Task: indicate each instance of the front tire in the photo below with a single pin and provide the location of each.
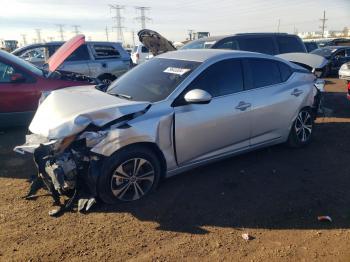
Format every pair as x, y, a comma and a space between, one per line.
302, 129
129, 175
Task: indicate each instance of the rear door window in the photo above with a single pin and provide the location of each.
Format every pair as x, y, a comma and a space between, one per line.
80, 54
289, 44
105, 52
222, 78
285, 71
263, 45
264, 72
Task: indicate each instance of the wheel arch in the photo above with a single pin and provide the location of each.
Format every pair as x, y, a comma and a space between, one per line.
153, 147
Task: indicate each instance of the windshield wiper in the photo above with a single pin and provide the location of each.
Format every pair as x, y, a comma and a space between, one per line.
123, 96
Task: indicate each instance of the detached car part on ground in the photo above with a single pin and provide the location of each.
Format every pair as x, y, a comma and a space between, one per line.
175, 112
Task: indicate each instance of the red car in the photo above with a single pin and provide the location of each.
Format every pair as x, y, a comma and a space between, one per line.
21, 83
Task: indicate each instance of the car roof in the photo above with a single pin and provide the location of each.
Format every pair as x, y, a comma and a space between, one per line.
219, 37
201, 55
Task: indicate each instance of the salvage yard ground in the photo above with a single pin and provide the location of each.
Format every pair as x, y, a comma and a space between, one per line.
274, 194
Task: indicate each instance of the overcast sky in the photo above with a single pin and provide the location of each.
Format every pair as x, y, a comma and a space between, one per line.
170, 18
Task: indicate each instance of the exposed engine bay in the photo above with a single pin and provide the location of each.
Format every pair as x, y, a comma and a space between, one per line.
71, 76
65, 169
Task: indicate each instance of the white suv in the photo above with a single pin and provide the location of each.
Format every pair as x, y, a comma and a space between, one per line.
140, 54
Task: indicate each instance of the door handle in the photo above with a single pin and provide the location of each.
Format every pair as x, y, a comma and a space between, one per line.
297, 92
243, 106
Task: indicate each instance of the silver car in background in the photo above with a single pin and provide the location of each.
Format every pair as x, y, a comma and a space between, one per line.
175, 112
103, 60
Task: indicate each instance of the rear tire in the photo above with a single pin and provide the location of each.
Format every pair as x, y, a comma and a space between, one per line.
129, 175
302, 129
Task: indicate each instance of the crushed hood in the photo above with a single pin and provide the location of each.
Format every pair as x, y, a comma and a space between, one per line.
69, 111
310, 60
154, 42
64, 52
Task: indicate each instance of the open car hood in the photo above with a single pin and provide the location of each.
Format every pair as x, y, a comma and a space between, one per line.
68, 111
64, 52
310, 60
155, 43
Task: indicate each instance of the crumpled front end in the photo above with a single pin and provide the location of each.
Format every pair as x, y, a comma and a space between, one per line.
66, 168
67, 125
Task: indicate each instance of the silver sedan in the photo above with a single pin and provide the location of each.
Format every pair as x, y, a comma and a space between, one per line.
175, 112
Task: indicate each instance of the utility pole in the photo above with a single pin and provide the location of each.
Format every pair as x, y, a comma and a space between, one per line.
143, 18
107, 36
38, 34
118, 19
133, 37
190, 33
323, 26
76, 29
24, 39
61, 31
278, 25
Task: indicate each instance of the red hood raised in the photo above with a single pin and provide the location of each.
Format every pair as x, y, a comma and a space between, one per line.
65, 51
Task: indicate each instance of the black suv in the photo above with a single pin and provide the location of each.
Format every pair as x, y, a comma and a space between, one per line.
266, 43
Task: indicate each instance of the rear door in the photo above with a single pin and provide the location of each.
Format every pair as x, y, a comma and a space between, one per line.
17, 96
206, 130
78, 61
107, 59
275, 99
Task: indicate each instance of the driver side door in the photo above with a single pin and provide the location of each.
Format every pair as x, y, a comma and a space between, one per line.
203, 131
17, 96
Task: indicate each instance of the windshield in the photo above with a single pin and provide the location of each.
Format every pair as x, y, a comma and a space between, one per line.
199, 44
325, 52
152, 81
26, 65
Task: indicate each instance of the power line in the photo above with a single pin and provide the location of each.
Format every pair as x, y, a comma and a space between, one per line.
118, 20
61, 31
76, 29
38, 34
143, 18
323, 26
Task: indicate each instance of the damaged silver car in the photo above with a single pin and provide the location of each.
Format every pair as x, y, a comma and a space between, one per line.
175, 112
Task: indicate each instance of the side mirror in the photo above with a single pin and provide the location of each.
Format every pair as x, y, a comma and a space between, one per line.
17, 78
198, 96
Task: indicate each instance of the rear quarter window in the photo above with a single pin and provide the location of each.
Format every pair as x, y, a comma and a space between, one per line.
105, 52
289, 44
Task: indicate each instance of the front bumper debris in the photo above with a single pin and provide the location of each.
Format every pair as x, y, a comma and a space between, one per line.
67, 171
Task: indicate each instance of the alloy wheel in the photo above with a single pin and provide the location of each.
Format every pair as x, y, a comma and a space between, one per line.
132, 179
303, 126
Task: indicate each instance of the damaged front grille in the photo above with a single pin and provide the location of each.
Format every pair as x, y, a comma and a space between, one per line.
67, 175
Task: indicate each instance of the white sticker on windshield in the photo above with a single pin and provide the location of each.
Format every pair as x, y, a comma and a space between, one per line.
176, 70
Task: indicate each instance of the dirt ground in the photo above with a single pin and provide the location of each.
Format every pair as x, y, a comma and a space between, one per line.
274, 194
